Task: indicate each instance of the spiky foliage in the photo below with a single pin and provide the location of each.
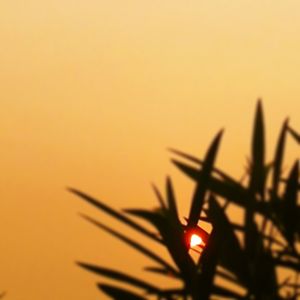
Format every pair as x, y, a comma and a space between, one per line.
249, 255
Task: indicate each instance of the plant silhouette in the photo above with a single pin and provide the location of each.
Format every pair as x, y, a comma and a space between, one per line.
249, 255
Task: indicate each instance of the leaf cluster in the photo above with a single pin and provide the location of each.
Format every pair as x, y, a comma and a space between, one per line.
237, 260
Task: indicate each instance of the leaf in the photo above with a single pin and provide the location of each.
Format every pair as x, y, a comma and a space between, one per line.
174, 240
287, 264
159, 196
232, 256
265, 286
224, 292
202, 182
208, 265
235, 193
119, 293
200, 162
120, 217
134, 244
161, 271
257, 176
256, 185
268, 238
294, 134
278, 158
227, 276
119, 276
289, 209
171, 199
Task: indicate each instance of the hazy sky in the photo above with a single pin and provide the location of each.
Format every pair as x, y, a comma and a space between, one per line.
93, 92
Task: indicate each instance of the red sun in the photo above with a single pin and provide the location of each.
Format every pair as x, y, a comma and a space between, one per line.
195, 240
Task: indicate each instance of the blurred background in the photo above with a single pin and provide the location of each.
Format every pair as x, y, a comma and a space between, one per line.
92, 93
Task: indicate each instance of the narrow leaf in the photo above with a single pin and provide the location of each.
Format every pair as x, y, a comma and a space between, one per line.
119, 293
159, 196
289, 210
278, 158
203, 182
232, 256
119, 276
294, 134
208, 265
200, 162
174, 240
257, 178
133, 244
161, 271
120, 217
171, 199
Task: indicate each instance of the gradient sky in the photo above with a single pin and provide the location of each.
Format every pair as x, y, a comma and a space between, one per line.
93, 92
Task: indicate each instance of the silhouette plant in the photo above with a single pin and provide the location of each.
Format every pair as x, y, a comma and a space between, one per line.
237, 260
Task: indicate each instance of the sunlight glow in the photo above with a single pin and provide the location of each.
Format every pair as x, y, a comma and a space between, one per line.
196, 240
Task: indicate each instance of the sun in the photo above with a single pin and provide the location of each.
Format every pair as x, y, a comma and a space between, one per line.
195, 240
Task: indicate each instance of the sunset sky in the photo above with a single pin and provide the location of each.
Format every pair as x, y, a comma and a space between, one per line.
93, 93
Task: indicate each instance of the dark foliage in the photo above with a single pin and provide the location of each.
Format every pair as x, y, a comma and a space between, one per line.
250, 255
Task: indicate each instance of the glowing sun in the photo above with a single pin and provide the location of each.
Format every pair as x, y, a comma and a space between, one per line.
196, 240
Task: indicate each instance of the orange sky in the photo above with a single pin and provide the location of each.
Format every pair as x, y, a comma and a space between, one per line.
93, 92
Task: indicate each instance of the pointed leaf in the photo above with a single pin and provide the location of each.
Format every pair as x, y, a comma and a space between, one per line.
278, 159
208, 265
257, 178
200, 162
289, 210
161, 271
159, 196
203, 179
175, 242
235, 193
120, 217
134, 244
171, 199
294, 134
232, 256
226, 293
119, 293
119, 276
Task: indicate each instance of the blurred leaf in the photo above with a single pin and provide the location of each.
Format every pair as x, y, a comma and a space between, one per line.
202, 181
257, 178
278, 159
253, 243
227, 276
162, 271
294, 134
159, 196
124, 278
289, 264
290, 197
119, 293
208, 265
270, 228
226, 293
171, 199
120, 217
235, 193
135, 245
256, 186
200, 162
174, 241
232, 256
